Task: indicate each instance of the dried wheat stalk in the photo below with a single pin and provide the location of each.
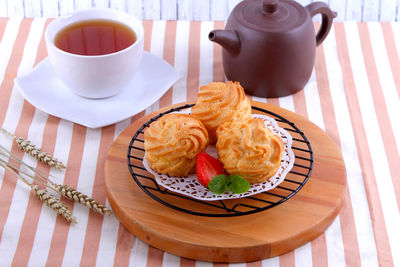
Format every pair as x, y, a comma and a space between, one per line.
72, 194
53, 203
31, 150
64, 190
42, 194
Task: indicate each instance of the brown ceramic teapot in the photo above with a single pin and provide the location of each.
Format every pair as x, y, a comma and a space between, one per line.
269, 45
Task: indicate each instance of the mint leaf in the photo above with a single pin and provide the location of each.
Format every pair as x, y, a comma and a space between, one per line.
220, 183
217, 184
238, 185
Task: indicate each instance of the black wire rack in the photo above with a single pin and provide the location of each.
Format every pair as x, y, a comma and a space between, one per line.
293, 182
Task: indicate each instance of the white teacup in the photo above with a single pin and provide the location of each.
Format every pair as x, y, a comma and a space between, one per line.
97, 76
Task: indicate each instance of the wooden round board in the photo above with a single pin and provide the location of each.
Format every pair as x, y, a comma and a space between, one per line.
245, 238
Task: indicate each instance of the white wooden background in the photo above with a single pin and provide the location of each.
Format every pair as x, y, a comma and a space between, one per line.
348, 10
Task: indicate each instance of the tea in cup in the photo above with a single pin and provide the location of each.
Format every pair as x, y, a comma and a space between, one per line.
95, 51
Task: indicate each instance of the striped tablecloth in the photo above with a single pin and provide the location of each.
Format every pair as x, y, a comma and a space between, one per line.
353, 95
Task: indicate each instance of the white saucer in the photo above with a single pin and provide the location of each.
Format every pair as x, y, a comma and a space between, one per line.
42, 88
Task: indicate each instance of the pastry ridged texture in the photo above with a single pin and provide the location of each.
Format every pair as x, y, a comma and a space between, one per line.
249, 149
173, 142
220, 102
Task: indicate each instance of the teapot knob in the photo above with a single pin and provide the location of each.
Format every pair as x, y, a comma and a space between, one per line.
270, 6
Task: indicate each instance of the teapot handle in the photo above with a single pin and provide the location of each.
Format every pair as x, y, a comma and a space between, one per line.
327, 18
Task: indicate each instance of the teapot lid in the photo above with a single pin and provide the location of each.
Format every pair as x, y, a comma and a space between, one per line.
270, 15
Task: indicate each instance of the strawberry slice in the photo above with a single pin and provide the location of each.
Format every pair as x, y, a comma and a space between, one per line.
207, 168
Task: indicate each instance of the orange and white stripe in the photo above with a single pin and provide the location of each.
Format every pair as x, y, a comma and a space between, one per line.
366, 87
353, 95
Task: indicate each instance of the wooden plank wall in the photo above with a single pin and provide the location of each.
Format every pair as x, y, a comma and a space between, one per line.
348, 10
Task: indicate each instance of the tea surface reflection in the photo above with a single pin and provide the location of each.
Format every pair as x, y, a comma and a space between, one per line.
94, 37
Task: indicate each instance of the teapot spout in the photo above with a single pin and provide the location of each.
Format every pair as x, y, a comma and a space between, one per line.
228, 39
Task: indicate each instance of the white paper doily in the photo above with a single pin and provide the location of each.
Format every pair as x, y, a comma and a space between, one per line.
189, 185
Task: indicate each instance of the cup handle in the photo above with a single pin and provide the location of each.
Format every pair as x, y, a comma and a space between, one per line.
327, 18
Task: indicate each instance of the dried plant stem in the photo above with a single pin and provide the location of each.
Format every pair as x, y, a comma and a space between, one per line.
31, 149
25, 174
53, 203
64, 190
8, 154
43, 195
72, 194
